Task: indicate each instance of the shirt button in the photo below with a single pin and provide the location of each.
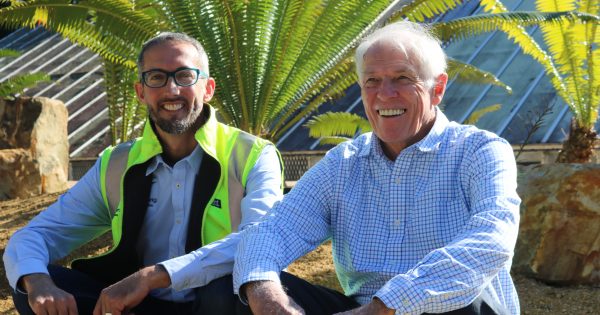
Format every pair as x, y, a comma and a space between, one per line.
178, 221
397, 222
397, 181
178, 185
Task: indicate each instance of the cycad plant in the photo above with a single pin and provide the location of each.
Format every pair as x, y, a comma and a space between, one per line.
572, 64
274, 61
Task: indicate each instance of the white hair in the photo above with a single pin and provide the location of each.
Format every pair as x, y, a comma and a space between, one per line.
417, 43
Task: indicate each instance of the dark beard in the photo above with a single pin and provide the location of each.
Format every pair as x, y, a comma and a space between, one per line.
177, 127
173, 127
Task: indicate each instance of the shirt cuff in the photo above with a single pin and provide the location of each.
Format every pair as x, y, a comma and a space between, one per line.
25, 267
175, 267
259, 275
399, 293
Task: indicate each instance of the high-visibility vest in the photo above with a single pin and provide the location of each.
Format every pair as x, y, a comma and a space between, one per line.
229, 155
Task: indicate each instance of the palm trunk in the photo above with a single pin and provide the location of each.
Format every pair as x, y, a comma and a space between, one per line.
579, 146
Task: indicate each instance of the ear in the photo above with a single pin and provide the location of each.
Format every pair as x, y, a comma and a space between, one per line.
439, 89
209, 89
139, 91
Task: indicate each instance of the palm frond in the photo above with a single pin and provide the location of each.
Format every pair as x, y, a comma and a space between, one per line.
331, 37
476, 115
124, 110
17, 84
470, 26
333, 140
466, 73
519, 35
110, 28
337, 124
572, 47
9, 53
422, 10
331, 85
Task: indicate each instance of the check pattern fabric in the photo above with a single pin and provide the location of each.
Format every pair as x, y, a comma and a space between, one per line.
426, 233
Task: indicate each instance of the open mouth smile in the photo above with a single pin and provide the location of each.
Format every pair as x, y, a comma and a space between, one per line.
172, 106
391, 112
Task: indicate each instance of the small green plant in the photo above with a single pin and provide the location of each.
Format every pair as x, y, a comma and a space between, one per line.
17, 84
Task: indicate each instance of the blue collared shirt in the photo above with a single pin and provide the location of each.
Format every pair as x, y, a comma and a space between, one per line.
424, 233
80, 215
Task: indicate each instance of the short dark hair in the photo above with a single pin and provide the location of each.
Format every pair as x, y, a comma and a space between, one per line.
172, 37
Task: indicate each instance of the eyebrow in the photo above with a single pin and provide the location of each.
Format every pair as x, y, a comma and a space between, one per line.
394, 71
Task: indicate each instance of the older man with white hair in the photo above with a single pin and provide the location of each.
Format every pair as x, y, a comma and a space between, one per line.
423, 213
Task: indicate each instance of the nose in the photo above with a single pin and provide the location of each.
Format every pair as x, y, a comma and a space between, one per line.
171, 86
387, 89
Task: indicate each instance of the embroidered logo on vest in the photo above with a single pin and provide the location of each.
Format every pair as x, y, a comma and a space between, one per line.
216, 203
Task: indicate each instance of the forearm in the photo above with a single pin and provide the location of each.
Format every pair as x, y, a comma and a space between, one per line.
268, 297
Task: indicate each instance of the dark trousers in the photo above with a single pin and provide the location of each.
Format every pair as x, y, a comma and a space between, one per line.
86, 291
314, 299
217, 298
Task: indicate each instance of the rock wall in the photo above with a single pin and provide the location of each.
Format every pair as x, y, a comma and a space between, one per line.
34, 150
559, 236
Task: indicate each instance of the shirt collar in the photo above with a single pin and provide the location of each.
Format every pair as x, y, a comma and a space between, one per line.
430, 143
193, 160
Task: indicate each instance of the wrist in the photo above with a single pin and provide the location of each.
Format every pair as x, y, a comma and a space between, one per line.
30, 281
260, 291
381, 308
156, 277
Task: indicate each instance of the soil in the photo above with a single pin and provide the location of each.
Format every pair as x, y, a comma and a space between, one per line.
536, 297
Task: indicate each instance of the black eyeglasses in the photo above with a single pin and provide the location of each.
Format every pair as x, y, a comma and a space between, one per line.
156, 78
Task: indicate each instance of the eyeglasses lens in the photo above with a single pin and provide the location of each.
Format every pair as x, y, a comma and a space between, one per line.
159, 78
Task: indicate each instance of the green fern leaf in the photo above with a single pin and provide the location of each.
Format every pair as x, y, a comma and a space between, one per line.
16, 84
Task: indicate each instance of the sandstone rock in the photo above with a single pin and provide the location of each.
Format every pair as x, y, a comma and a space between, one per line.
37, 127
50, 146
19, 173
559, 236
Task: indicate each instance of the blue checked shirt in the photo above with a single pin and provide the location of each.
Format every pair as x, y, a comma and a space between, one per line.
426, 233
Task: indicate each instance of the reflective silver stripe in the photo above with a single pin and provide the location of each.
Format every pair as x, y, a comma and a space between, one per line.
237, 163
117, 165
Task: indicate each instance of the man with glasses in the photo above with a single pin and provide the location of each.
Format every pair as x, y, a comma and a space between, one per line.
173, 199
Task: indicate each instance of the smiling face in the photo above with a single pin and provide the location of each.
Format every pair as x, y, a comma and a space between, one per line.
399, 105
175, 109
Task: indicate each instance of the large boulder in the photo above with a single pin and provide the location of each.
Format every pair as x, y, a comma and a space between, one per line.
559, 237
34, 150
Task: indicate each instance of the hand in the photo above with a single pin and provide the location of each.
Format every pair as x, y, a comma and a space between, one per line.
375, 307
124, 295
45, 297
268, 297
